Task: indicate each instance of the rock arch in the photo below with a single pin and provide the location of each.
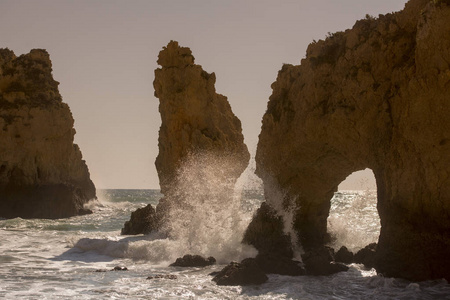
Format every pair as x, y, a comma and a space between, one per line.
353, 220
376, 96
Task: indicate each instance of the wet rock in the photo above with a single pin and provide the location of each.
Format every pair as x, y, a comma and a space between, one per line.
165, 276
101, 270
366, 256
193, 261
272, 264
120, 268
375, 96
266, 233
142, 221
245, 273
343, 255
320, 261
42, 173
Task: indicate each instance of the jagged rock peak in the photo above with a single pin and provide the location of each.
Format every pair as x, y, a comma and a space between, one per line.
175, 56
194, 117
201, 146
28, 78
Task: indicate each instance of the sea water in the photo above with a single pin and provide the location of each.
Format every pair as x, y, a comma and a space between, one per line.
59, 259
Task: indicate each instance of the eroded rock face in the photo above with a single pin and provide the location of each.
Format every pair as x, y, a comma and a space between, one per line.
195, 119
42, 174
201, 146
376, 96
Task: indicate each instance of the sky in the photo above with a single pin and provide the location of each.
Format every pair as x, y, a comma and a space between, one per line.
104, 55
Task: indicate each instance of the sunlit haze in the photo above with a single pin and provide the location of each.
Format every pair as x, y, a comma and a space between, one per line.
104, 55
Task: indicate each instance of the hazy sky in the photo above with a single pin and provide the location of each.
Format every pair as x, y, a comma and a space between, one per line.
104, 54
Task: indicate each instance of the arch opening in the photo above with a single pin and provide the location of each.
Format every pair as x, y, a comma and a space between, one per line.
353, 220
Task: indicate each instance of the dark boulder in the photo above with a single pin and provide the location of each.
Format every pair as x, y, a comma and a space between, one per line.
193, 261
366, 256
245, 273
320, 261
344, 256
272, 264
142, 221
266, 233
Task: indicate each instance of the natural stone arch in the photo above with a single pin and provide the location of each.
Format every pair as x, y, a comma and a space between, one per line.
376, 96
354, 211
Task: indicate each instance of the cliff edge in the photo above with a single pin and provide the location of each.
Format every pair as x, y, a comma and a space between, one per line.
375, 96
42, 174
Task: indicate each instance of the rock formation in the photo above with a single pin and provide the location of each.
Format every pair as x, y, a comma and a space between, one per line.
42, 174
199, 134
376, 96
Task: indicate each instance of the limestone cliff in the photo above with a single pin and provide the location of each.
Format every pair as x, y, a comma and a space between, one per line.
42, 174
199, 134
375, 96
194, 117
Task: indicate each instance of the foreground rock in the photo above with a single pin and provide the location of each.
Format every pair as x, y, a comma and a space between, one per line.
245, 273
193, 261
142, 220
321, 261
376, 96
282, 265
366, 256
42, 174
198, 130
344, 256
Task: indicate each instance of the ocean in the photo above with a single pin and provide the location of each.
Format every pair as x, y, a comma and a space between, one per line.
73, 258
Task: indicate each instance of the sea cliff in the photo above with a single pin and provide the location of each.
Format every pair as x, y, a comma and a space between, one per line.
42, 174
375, 96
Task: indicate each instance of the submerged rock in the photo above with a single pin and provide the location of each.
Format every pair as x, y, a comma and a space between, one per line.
42, 174
165, 276
198, 131
193, 261
245, 273
375, 96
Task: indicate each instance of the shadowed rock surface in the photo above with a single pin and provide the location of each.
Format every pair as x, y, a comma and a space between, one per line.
193, 261
376, 96
344, 256
42, 174
246, 272
142, 220
198, 128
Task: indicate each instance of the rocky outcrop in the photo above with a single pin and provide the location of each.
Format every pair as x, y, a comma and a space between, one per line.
193, 261
201, 146
142, 220
195, 119
376, 96
42, 174
247, 272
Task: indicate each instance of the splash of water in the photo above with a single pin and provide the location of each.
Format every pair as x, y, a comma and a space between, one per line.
285, 207
206, 216
353, 221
